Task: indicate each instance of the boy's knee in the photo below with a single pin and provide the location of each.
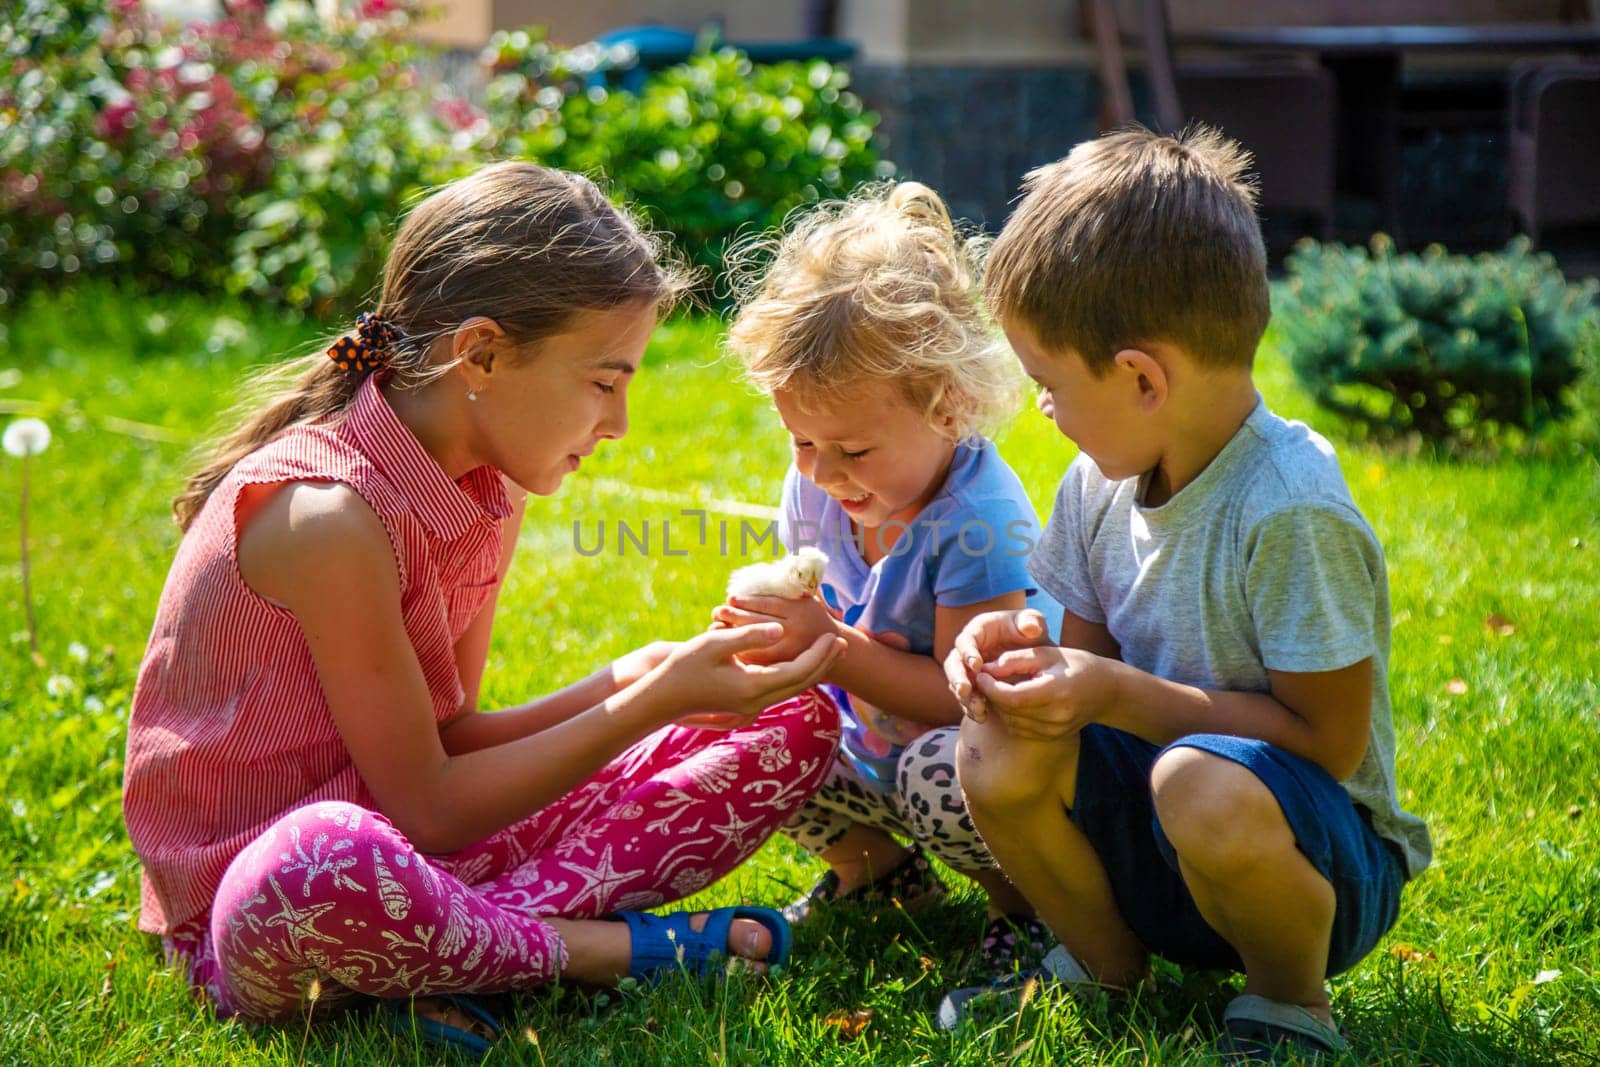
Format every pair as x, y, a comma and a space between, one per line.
1216, 813
1000, 772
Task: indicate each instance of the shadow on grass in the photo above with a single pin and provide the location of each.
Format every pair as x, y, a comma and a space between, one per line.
865, 987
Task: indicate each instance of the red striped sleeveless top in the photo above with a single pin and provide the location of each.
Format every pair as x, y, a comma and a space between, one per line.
230, 729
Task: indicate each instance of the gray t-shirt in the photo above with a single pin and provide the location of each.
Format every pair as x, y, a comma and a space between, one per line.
1262, 562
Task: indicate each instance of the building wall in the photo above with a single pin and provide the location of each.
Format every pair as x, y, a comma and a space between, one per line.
974, 94
468, 23
960, 32
965, 34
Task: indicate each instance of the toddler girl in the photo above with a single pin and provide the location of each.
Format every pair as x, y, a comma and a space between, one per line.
867, 332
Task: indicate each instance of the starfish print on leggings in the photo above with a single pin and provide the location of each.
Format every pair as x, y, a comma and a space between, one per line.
733, 831
299, 922
600, 880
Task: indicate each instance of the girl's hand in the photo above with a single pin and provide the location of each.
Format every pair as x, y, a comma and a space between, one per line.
713, 720
705, 676
629, 668
804, 619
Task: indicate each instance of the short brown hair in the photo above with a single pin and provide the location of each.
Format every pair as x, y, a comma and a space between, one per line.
1137, 237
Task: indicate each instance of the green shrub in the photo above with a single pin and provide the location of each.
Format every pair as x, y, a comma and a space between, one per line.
264, 149
706, 148
1579, 435
1456, 349
271, 152
120, 145
356, 140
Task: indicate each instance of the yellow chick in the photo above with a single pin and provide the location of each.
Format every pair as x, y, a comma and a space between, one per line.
792, 576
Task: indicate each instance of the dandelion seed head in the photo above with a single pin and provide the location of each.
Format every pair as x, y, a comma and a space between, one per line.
26, 437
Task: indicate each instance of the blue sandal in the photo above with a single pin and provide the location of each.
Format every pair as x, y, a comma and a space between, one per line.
663, 944
402, 1019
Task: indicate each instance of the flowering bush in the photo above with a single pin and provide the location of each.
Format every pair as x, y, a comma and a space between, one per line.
271, 152
159, 151
357, 139
706, 148
120, 143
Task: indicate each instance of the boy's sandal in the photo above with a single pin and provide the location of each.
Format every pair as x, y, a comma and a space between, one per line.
1013, 943
664, 944
1258, 1030
1058, 969
401, 1018
911, 882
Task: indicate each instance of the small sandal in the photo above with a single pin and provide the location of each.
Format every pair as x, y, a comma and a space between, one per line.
911, 882
401, 1018
1013, 943
1004, 995
663, 944
1258, 1030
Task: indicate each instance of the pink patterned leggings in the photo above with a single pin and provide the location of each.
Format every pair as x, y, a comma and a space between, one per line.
333, 893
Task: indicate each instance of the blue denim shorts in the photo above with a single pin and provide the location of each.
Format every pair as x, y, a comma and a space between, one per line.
1115, 811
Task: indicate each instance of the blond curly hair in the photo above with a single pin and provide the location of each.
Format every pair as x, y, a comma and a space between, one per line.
877, 288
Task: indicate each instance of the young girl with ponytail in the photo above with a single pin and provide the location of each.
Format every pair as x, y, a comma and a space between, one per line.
320, 808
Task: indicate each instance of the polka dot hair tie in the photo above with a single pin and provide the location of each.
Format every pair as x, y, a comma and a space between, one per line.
369, 348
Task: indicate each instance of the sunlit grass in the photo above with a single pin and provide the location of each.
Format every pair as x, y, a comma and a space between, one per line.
1495, 582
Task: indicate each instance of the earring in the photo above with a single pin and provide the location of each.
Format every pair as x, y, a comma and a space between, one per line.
472, 394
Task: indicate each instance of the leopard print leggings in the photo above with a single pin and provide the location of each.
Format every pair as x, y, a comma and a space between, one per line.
925, 806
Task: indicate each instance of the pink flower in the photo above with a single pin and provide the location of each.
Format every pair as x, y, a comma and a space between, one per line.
116, 119
457, 114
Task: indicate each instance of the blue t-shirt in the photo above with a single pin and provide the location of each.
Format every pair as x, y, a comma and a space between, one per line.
970, 543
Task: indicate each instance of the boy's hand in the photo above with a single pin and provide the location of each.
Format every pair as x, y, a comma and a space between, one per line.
1046, 693
985, 638
804, 619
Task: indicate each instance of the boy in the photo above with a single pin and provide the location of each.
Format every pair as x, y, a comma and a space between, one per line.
1204, 768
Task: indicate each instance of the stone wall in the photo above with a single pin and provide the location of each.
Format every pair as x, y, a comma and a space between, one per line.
973, 132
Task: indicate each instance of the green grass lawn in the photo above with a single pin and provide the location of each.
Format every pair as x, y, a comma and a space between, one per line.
1495, 574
